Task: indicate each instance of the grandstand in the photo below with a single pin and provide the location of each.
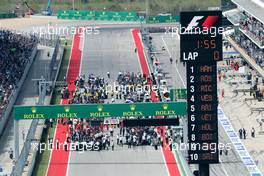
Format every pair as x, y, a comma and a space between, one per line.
247, 37
248, 30
16, 50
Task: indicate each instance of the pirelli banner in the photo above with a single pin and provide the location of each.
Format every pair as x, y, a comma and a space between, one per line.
97, 15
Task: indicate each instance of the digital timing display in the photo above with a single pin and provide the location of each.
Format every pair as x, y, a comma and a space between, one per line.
201, 48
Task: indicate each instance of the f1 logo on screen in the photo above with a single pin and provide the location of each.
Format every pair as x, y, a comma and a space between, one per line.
207, 23
201, 35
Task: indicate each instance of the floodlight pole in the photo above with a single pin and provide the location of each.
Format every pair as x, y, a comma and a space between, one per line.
147, 9
16, 143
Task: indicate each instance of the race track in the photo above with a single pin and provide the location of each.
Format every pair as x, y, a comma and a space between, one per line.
113, 50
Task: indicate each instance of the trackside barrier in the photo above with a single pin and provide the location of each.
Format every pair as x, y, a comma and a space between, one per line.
13, 96
53, 59
112, 16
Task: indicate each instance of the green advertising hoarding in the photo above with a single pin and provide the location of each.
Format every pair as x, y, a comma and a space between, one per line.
7, 15
64, 14
99, 110
97, 15
163, 19
176, 94
89, 15
112, 16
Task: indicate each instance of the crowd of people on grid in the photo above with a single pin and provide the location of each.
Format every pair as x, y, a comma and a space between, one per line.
95, 89
253, 27
87, 91
130, 87
106, 137
133, 87
15, 53
250, 48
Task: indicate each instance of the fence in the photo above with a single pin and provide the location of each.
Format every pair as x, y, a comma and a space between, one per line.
113, 16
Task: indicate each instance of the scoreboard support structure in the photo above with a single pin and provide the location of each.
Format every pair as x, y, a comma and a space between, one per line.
201, 48
204, 169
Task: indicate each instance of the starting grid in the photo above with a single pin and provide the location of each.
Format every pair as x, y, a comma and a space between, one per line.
99, 110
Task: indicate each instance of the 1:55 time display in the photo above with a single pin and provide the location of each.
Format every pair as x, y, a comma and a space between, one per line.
206, 44
209, 44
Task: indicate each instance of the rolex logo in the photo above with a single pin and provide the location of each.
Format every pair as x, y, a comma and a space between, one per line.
67, 108
34, 109
165, 106
132, 107
100, 108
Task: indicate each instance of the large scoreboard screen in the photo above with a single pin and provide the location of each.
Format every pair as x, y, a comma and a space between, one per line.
201, 48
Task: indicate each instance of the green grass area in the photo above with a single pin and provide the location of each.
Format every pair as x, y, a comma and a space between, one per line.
155, 6
42, 159
63, 71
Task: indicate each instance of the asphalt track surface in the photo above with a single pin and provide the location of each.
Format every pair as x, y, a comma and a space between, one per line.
231, 164
113, 50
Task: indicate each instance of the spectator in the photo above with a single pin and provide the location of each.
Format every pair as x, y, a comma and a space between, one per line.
253, 27
240, 133
253, 132
15, 53
11, 153
250, 48
244, 133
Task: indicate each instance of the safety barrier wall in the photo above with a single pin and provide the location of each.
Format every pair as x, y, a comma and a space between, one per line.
53, 59
113, 16
13, 96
